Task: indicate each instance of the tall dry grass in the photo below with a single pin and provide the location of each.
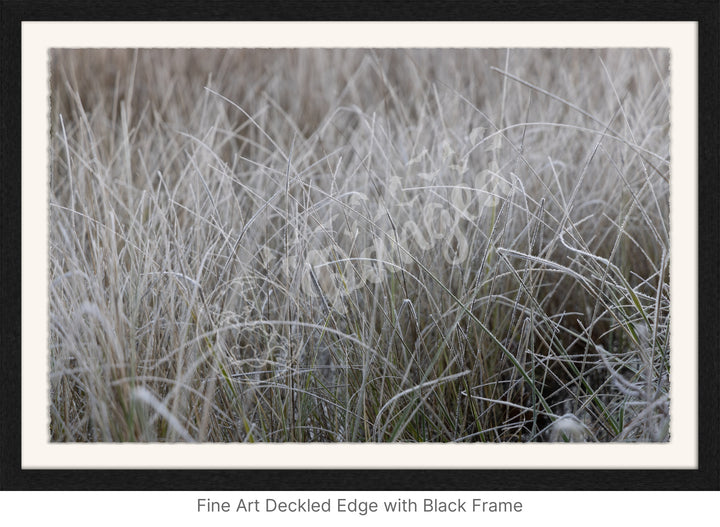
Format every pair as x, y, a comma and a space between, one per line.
359, 245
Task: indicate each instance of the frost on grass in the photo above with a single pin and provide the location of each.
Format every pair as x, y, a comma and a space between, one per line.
359, 245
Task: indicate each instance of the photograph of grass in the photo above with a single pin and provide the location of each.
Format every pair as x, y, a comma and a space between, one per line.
359, 245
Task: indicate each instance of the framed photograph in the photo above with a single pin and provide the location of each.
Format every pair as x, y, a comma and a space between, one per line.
360, 251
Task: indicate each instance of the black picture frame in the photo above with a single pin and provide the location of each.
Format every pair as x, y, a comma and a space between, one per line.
706, 477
